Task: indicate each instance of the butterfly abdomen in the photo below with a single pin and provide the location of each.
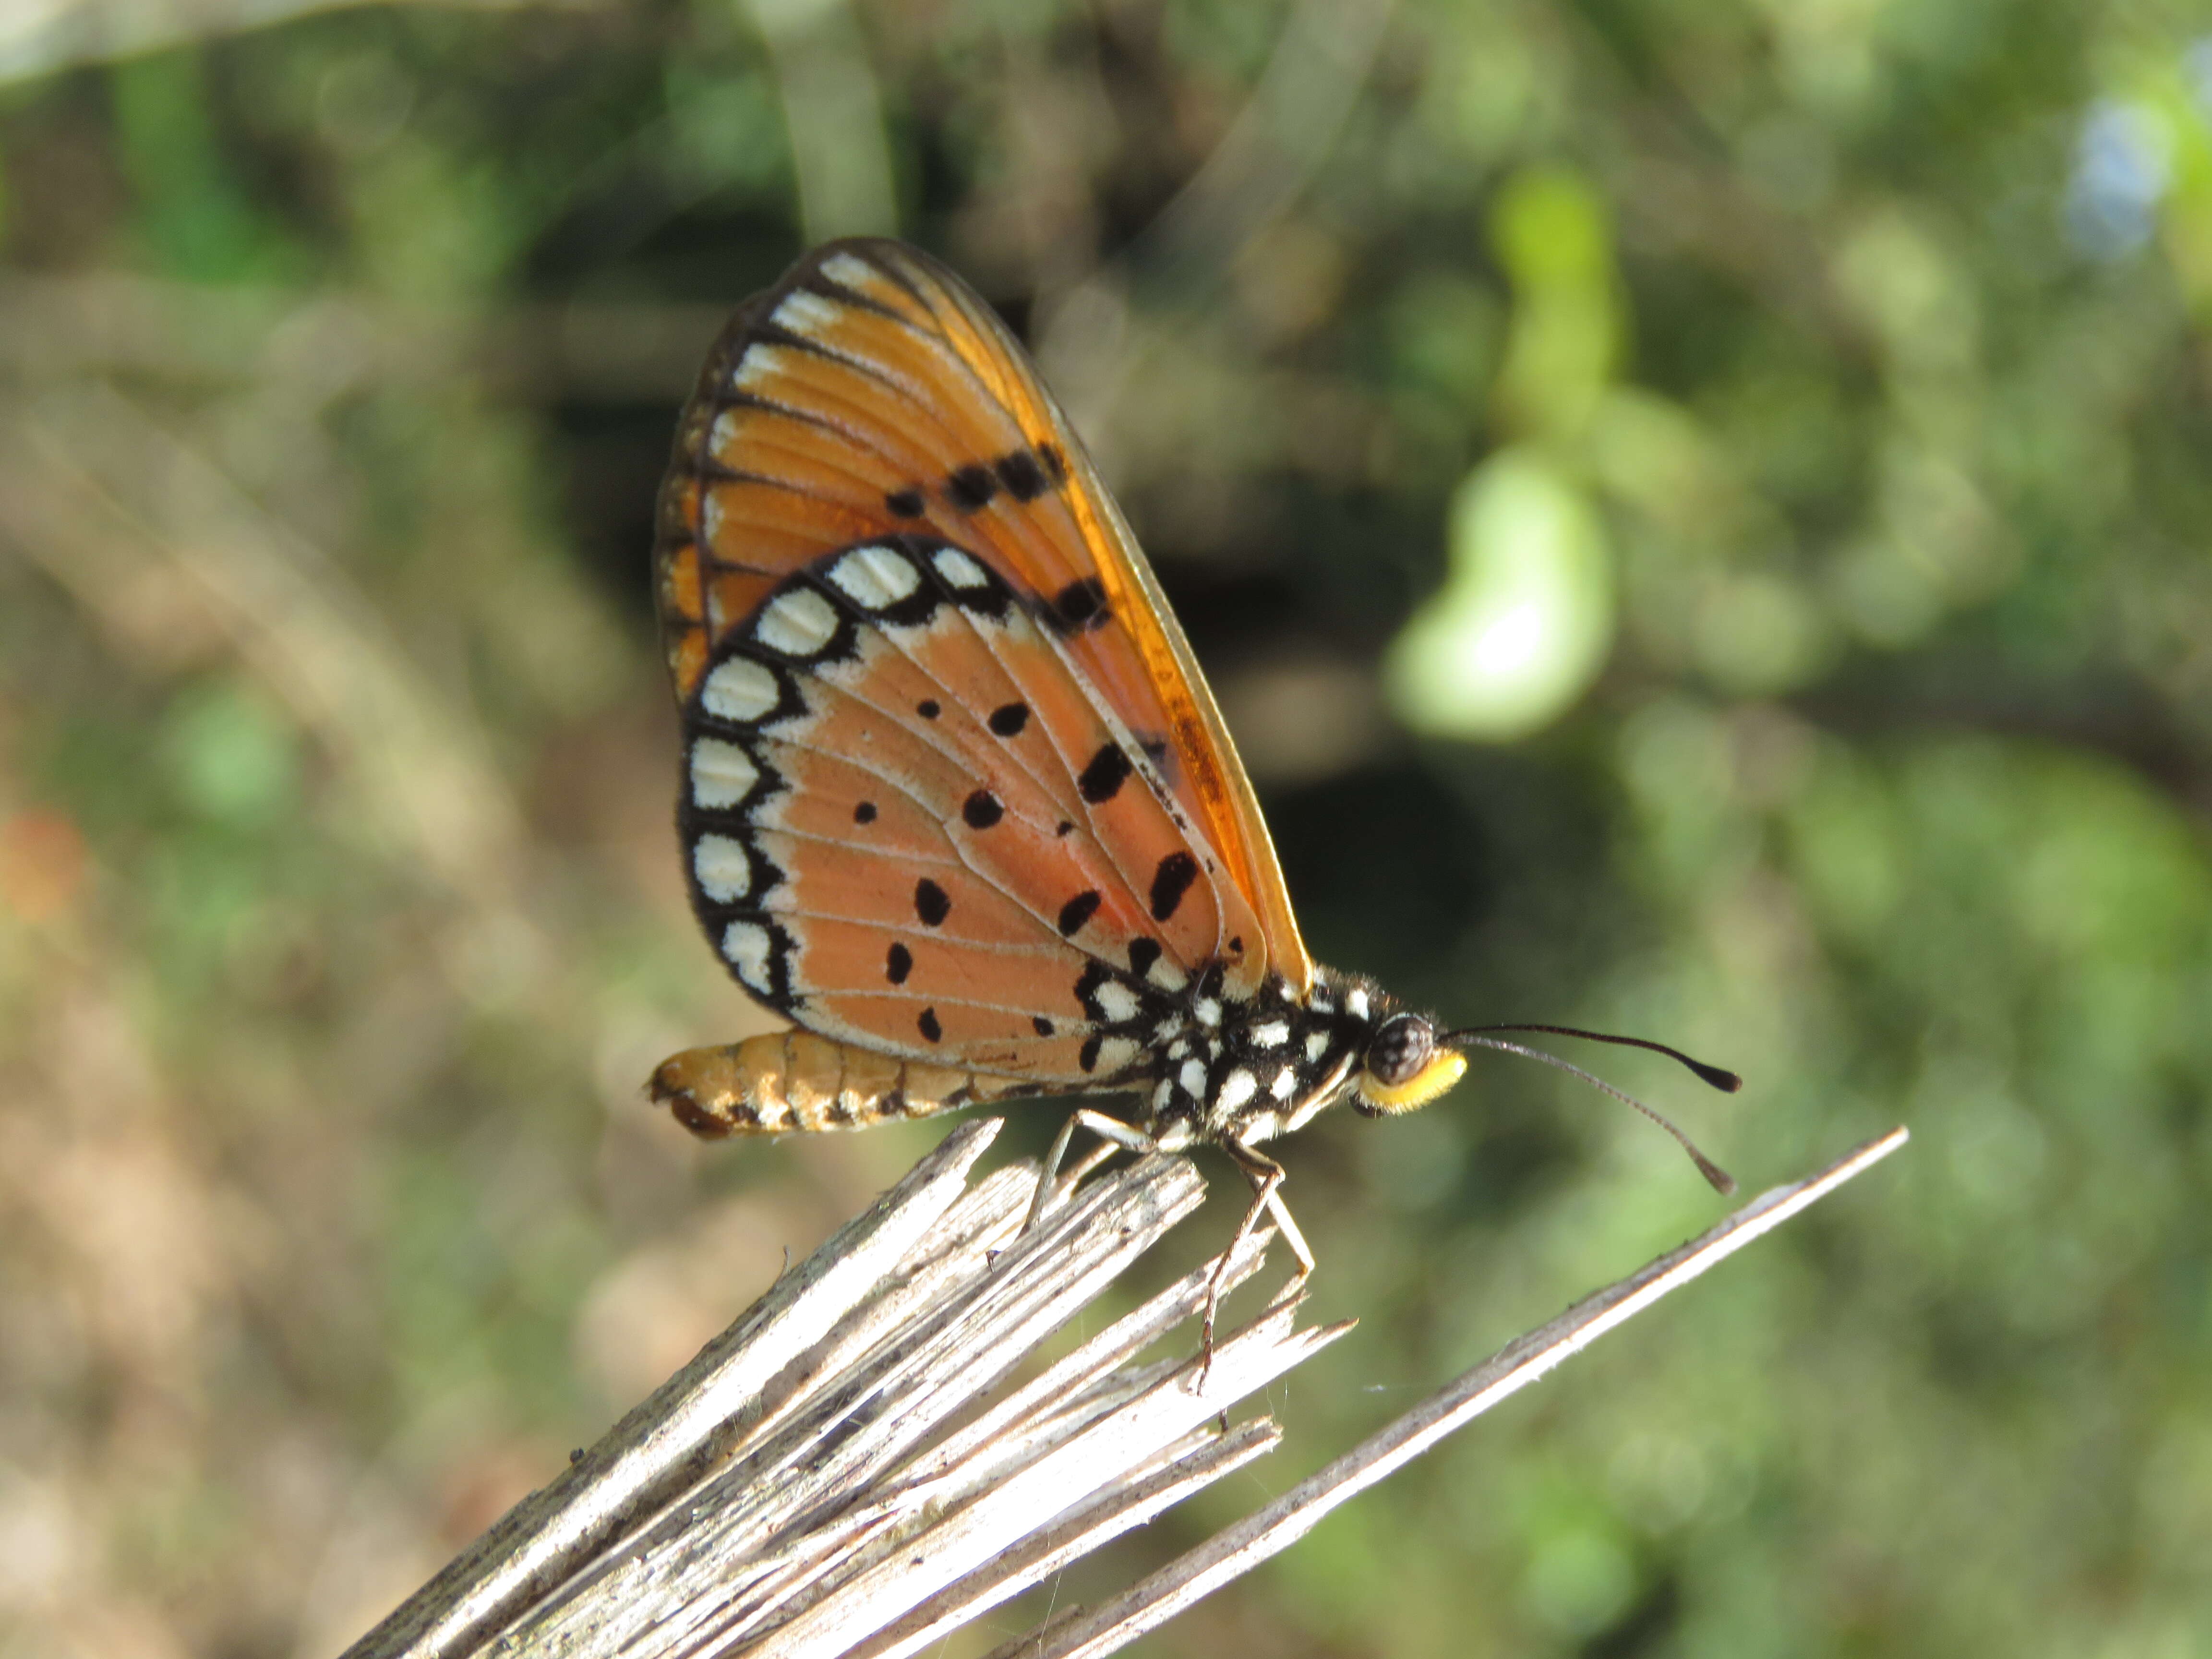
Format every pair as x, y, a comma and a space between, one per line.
793, 1081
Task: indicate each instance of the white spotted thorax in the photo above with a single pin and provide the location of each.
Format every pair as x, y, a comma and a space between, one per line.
1246, 1072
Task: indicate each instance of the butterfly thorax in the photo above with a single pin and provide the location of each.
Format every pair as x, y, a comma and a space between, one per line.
1251, 1070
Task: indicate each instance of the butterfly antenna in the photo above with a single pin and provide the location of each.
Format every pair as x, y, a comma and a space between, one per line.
1726, 1082
1480, 1036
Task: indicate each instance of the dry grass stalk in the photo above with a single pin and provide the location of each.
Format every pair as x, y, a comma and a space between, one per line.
832, 1476
1085, 1633
822, 1470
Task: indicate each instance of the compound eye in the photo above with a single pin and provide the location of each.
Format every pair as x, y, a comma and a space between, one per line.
1405, 1069
1399, 1049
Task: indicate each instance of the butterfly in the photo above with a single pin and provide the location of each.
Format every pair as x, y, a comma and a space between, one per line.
956, 797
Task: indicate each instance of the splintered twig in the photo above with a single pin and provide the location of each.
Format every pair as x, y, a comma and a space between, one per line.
1237, 1551
836, 1461
854, 1468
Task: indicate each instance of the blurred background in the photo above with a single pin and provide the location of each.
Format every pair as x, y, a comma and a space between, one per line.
1698, 515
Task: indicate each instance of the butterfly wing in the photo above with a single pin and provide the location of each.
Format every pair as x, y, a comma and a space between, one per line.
873, 399
914, 827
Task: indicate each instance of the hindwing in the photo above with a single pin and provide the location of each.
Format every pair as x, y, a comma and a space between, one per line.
911, 824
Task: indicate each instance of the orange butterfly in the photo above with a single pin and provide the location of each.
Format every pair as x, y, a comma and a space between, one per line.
957, 799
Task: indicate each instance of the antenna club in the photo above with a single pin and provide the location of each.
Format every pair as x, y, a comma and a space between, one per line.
1483, 1037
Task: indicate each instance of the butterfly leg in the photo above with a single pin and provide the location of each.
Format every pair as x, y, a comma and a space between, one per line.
1110, 1130
1266, 1178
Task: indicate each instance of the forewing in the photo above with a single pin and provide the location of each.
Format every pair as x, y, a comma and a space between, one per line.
872, 394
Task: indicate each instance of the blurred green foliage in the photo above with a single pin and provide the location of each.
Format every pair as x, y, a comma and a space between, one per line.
338, 910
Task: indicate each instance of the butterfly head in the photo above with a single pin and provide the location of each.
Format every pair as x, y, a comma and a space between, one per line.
1404, 1066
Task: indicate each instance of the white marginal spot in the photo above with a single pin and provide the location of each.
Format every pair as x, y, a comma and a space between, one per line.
1208, 1010
760, 364
1115, 1053
710, 518
1285, 1084
1163, 1095
1356, 1004
1214, 1047
797, 624
724, 869
805, 313
1321, 1005
722, 774
1178, 1049
875, 577
1239, 1086
1193, 1078
849, 271
1165, 975
959, 570
728, 425
740, 690
1316, 1044
1261, 1126
773, 1113
1273, 1034
747, 948
1117, 1002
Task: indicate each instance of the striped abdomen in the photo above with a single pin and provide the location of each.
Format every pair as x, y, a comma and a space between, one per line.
793, 1080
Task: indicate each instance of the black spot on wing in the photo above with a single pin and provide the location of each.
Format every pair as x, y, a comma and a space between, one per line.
970, 487
898, 964
1102, 780
1170, 882
929, 708
1143, 953
905, 503
1088, 1059
1076, 911
932, 906
1079, 606
1023, 477
981, 810
1039, 1023
1008, 719
928, 1026
864, 812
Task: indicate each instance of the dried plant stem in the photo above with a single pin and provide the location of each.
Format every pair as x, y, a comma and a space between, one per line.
835, 1462
852, 1469
1229, 1554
